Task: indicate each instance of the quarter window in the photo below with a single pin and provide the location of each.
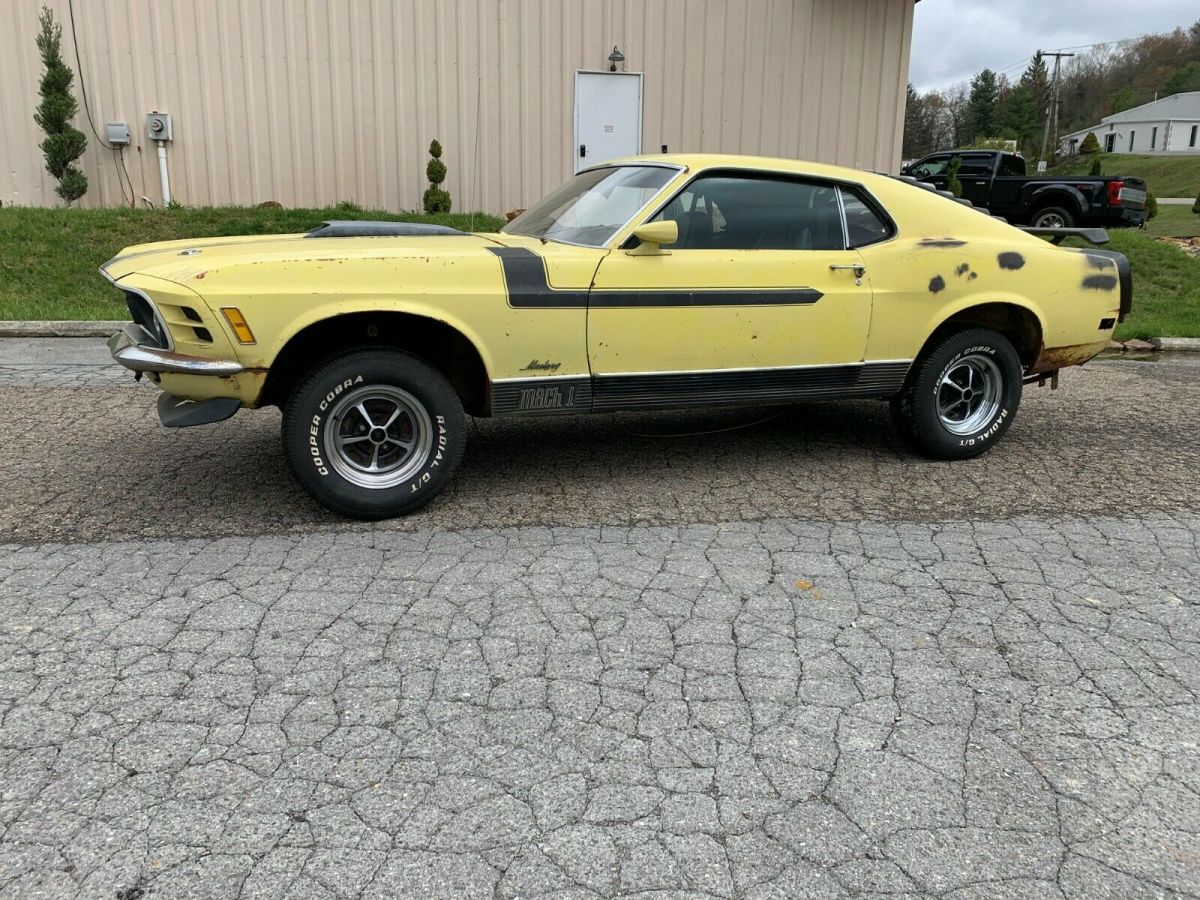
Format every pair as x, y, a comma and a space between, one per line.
750, 212
863, 225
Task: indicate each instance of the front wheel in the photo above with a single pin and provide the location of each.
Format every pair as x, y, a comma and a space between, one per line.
374, 433
961, 396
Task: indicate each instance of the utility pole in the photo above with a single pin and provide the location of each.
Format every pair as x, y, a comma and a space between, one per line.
1052, 113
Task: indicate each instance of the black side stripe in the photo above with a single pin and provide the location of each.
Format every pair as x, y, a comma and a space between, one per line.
528, 287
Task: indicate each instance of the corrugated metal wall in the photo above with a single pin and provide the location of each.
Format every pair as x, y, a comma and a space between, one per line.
309, 102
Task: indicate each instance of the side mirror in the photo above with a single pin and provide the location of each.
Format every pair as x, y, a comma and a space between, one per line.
652, 236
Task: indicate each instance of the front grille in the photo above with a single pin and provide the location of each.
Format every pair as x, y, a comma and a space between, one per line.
143, 314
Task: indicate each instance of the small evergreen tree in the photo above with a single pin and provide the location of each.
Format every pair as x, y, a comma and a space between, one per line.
64, 143
1151, 205
1097, 168
1090, 144
953, 185
436, 200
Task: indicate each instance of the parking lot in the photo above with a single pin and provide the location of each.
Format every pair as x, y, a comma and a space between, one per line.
744, 653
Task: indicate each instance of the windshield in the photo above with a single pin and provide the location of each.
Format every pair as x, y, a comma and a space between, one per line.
593, 206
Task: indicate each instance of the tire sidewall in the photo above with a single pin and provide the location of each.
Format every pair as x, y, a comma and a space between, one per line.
307, 417
940, 440
1065, 214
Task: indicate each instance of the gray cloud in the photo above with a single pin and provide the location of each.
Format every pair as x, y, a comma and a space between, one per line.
954, 39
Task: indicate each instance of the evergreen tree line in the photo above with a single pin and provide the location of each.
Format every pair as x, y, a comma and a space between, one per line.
1103, 81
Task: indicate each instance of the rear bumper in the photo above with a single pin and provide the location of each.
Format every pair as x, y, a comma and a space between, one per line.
135, 348
1118, 217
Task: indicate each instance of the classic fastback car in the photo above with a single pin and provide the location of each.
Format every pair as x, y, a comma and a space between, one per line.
646, 283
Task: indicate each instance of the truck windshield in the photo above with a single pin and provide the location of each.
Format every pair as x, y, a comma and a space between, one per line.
593, 206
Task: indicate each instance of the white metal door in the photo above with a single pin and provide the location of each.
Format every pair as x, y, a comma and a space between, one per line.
608, 116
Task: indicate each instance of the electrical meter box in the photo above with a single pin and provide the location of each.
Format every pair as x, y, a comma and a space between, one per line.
117, 133
158, 126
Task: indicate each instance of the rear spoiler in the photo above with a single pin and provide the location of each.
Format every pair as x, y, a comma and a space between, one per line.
1058, 235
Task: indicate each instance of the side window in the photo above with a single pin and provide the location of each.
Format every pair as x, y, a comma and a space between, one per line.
750, 212
863, 225
935, 166
1012, 165
976, 164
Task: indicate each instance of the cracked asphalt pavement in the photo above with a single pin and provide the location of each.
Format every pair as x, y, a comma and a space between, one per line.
621, 658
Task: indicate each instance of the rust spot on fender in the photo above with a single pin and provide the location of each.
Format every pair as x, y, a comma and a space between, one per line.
942, 242
937, 284
1011, 261
1099, 262
962, 270
1100, 282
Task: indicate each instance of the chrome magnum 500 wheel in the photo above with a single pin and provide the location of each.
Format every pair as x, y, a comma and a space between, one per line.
374, 433
961, 396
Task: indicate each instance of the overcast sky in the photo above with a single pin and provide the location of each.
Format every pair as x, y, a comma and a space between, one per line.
954, 39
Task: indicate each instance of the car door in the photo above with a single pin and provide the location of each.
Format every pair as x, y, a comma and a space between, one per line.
975, 177
758, 300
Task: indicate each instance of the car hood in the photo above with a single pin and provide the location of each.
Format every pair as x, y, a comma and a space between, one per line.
187, 260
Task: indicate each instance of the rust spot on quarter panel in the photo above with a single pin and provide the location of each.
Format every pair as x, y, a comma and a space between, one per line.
942, 242
1052, 358
962, 270
1011, 261
937, 284
1100, 282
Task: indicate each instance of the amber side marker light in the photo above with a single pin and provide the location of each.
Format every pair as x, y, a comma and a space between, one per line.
238, 323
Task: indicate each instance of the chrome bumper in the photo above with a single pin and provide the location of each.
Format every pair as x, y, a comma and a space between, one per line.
133, 347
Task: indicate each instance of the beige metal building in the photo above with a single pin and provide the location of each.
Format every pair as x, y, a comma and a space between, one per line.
309, 102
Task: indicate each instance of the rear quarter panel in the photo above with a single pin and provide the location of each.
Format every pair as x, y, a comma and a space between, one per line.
948, 258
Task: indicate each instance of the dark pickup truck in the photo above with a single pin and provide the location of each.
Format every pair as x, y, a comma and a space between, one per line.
997, 182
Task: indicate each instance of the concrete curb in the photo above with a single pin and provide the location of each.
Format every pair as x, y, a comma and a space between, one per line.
21, 329
1176, 345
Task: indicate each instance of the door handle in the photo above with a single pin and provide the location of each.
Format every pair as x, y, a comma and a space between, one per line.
582, 150
859, 270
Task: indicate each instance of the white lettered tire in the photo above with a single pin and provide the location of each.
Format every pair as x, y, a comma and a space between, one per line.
374, 433
961, 396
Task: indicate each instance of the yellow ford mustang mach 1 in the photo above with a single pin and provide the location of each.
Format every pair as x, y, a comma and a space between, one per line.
646, 283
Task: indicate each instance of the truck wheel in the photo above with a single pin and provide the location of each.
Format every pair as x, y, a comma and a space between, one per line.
961, 395
1053, 217
373, 433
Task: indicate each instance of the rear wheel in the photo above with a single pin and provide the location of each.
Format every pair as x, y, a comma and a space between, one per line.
1053, 217
961, 396
374, 433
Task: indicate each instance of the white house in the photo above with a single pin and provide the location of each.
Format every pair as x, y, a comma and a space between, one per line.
1169, 125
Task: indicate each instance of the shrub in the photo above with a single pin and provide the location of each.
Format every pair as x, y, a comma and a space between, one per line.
1097, 168
1196, 205
1151, 205
953, 185
1090, 144
436, 200
64, 143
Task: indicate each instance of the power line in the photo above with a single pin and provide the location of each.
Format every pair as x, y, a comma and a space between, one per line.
88, 111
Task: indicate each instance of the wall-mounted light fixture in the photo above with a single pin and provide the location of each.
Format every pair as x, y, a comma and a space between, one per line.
615, 57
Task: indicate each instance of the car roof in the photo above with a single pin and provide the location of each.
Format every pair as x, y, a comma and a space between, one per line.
698, 161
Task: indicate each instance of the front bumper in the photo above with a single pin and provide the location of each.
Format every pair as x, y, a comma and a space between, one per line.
135, 348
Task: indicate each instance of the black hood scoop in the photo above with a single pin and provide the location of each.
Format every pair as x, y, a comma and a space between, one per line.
355, 228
